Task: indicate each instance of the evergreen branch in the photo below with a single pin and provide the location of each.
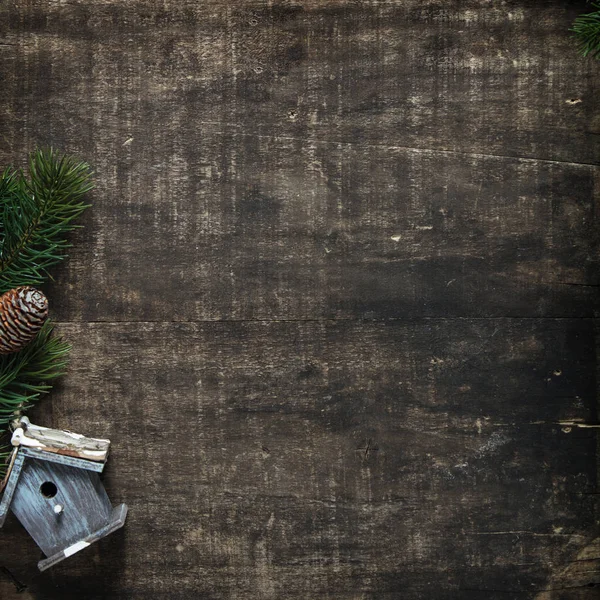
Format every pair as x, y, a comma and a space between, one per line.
35, 215
27, 375
587, 31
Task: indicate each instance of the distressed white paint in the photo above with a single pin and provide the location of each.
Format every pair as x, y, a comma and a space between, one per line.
20, 439
94, 454
76, 547
61, 442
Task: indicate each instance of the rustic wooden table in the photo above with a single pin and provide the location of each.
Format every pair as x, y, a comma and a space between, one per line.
334, 302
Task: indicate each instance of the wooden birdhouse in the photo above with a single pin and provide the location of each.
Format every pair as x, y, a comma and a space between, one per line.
53, 487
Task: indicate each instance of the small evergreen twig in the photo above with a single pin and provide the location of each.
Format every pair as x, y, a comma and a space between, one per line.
27, 375
587, 31
35, 215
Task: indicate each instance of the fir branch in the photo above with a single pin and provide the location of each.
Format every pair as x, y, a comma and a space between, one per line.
28, 374
35, 215
587, 31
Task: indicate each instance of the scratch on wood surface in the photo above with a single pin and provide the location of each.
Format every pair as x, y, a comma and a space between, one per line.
582, 572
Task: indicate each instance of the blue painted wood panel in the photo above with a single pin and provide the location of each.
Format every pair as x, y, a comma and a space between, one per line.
78, 463
86, 504
11, 486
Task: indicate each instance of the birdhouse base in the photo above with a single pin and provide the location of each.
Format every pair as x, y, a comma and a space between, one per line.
117, 521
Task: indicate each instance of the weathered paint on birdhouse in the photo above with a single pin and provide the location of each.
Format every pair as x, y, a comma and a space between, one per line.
54, 489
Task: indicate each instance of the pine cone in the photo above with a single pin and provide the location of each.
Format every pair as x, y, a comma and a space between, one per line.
22, 314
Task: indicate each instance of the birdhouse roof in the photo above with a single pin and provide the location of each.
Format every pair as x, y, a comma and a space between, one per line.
57, 441
51, 445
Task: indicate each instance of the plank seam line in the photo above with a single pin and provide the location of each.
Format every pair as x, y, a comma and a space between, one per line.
351, 320
594, 165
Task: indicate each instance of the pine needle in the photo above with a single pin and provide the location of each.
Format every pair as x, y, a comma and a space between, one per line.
587, 31
27, 375
35, 216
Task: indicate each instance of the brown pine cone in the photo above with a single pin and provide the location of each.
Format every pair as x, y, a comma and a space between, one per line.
22, 314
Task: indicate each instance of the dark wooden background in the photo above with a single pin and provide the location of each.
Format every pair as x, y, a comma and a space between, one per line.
334, 302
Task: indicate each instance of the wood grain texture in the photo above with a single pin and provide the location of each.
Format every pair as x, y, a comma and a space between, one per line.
304, 231
281, 162
336, 301
332, 459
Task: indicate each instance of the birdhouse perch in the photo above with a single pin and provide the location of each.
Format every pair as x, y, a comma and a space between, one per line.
53, 487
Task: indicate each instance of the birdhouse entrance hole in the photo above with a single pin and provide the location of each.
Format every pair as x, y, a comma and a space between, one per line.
48, 489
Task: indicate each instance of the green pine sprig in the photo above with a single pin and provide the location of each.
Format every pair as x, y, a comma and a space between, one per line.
36, 215
26, 375
587, 31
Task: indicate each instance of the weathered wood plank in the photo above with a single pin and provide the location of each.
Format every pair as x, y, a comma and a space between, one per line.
236, 227
252, 160
250, 219
331, 460
462, 75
